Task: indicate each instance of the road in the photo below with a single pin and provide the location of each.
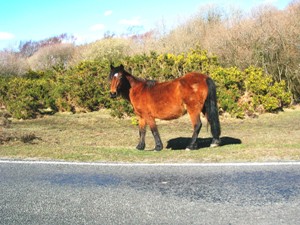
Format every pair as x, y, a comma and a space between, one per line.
80, 193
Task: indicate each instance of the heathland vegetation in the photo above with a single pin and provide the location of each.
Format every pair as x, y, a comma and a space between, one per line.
253, 58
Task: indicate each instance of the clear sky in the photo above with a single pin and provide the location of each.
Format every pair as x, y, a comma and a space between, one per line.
88, 20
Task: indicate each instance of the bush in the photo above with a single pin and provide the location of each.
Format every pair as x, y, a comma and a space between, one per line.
230, 87
268, 95
249, 91
169, 66
85, 86
121, 108
3, 89
82, 87
26, 97
52, 55
12, 64
110, 49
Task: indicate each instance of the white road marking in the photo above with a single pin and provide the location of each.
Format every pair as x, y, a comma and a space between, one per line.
291, 163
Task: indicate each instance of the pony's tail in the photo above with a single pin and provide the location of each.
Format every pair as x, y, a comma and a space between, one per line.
211, 110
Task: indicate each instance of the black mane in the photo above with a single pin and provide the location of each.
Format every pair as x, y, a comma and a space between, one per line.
150, 83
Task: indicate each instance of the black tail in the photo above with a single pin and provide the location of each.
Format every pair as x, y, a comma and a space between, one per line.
211, 109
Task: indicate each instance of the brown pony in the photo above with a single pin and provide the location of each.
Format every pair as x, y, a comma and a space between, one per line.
193, 93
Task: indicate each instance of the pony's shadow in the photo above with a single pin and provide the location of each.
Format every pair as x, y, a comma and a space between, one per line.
182, 142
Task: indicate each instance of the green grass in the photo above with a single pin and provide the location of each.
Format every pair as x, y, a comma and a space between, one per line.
98, 137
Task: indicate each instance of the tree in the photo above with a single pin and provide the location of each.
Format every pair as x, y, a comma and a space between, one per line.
28, 48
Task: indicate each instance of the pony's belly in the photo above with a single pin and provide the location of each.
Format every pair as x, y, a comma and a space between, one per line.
170, 114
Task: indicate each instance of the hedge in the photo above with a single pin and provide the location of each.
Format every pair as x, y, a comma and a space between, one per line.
85, 87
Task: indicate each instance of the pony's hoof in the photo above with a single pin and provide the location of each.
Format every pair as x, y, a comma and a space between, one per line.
158, 148
192, 147
140, 147
215, 143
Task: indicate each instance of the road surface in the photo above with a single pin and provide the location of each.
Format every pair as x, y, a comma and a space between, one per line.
82, 193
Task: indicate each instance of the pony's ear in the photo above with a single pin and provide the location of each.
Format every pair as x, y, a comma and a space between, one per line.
122, 67
111, 66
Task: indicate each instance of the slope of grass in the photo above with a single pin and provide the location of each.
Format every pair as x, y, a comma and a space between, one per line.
98, 137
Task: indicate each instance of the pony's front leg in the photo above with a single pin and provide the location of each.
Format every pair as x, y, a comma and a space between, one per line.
142, 133
154, 130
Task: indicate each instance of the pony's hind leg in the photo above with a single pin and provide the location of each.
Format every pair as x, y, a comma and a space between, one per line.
154, 130
142, 133
197, 124
158, 143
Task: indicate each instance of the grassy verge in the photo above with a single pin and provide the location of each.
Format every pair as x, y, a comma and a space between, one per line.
98, 137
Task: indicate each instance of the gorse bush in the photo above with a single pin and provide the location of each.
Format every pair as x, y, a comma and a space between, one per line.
26, 97
266, 92
167, 66
230, 88
249, 91
80, 88
85, 87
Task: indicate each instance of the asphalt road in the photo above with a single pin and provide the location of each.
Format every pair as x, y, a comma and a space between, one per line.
63, 193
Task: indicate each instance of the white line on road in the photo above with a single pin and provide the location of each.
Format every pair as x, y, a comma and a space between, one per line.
151, 164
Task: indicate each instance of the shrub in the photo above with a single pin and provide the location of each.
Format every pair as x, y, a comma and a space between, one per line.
121, 108
12, 64
230, 87
267, 93
82, 87
3, 88
52, 55
85, 87
25, 97
249, 91
110, 49
169, 66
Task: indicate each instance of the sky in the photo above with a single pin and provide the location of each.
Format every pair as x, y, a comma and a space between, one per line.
88, 20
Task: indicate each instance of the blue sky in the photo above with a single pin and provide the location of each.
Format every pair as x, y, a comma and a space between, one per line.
88, 20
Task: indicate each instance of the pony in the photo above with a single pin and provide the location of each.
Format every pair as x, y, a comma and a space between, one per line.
192, 93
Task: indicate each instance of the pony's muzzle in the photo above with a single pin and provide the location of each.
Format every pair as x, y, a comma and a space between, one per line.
113, 94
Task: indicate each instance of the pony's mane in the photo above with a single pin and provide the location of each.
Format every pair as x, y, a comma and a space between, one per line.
149, 83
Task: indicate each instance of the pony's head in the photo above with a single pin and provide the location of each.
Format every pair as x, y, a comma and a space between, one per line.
116, 77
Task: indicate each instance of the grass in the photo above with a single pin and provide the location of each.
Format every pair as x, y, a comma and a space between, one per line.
98, 137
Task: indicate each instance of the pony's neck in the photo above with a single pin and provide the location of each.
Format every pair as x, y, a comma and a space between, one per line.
128, 81
133, 81
126, 84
